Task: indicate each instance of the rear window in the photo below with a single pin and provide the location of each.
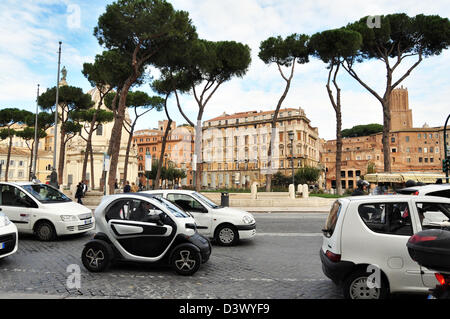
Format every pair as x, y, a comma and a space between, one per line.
332, 218
443, 193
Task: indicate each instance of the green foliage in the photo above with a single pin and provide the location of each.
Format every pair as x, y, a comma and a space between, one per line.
332, 45
401, 35
70, 99
307, 175
284, 51
28, 133
362, 130
151, 25
111, 68
10, 116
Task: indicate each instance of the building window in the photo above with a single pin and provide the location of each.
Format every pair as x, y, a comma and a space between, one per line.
419, 150
407, 138
99, 130
392, 139
420, 159
426, 159
394, 150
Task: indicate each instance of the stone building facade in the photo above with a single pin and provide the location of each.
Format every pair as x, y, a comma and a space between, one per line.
411, 149
179, 149
235, 147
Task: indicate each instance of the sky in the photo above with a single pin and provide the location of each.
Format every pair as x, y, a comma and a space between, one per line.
30, 32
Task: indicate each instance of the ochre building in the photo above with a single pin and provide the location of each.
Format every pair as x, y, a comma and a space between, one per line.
411, 149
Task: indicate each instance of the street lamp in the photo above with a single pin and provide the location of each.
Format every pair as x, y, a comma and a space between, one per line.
291, 138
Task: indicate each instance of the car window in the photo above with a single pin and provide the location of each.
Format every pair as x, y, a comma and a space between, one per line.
206, 200
12, 196
441, 193
332, 218
46, 194
431, 215
186, 202
387, 218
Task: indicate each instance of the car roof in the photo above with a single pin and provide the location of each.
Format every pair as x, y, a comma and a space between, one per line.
394, 197
430, 187
158, 191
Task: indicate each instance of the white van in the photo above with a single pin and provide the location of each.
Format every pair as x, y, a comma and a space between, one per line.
365, 238
224, 224
43, 210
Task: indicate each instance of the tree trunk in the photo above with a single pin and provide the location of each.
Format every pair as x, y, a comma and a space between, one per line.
127, 153
198, 151
62, 155
386, 130
91, 152
338, 150
116, 133
8, 158
30, 170
161, 156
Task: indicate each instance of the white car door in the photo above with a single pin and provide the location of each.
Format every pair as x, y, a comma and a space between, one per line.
378, 236
202, 216
17, 206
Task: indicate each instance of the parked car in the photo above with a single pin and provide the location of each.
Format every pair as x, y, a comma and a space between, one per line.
144, 228
8, 236
43, 210
440, 190
223, 224
369, 233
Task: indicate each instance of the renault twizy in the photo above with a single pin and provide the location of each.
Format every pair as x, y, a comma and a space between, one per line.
143, 228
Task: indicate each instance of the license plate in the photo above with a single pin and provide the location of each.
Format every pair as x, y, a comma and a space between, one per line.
88, 221
2, 245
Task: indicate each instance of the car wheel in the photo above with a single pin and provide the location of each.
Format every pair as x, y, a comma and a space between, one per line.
97, 255
226, 235
356, 287
186, 260
45, 231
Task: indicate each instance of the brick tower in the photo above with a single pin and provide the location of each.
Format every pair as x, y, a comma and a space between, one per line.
401, 115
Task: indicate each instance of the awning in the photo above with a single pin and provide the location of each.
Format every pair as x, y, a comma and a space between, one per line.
429, 178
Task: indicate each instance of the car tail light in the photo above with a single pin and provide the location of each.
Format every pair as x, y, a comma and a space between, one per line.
442, 279
332, 256
416, 193
417, 238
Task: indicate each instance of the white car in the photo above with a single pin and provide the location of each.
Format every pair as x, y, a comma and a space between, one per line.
43, 210
8, 236
365, 238
440, 190
223, 224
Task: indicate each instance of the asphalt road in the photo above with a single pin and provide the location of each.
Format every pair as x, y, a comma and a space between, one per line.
281, 262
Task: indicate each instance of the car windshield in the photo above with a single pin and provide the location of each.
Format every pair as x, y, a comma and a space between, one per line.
46, 194
205, 200
175, 210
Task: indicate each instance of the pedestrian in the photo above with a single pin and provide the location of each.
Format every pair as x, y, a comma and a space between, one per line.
362, 187
116, 185
134, 188
127, 187
79, 193
85, 187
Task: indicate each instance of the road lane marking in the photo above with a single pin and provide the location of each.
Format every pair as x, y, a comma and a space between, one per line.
290, 234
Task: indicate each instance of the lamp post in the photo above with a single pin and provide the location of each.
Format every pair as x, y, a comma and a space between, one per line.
35, 137
291, 139
54, 174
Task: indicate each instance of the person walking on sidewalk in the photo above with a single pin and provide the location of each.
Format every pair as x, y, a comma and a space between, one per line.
127, 187
79, 193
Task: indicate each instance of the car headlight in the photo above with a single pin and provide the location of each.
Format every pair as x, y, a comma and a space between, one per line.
69, 218
4, 220
247, 219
